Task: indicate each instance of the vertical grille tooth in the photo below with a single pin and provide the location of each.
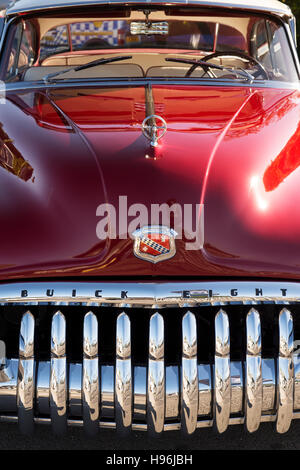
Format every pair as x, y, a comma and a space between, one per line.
123, 375
90, 375
285, 372
58, 374
189, 374
156, 376
253, 379
25, 388
222, 381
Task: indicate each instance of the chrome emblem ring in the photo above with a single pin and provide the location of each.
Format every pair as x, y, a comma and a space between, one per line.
154, 128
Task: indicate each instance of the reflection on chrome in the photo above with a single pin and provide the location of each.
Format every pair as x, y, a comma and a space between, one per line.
172, 392
123, 376
75, 386
222, 395
107, 384
90, 375
42, 388
269, 385
140, 393
153, 396
253, 396
189, 381
25, 391
285, 371
156, 376
205, 390
147, 294
237, 387
58, 377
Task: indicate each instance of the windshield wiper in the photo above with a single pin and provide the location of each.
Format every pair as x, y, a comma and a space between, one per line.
94, 63
208, 65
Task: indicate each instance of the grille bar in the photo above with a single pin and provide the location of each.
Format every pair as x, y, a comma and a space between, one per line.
222, 385
156, 376
123, 376
58, 374
156, 396
189, 371
90, 375
285, 372
25, 387
254, 386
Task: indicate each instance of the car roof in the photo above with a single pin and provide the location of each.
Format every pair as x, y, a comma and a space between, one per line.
16, 7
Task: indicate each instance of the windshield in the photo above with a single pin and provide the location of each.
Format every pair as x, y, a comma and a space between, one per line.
254, 46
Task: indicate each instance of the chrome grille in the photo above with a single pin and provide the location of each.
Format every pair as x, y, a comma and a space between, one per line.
155, 396
206, 364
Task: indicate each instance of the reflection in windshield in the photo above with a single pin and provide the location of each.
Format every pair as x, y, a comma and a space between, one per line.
246, 43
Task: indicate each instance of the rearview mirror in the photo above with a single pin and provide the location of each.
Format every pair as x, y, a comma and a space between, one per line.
144, 27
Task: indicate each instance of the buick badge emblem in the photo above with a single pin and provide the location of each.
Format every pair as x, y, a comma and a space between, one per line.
154, 243
154, 128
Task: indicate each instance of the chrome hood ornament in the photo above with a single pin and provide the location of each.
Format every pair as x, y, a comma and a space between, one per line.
154, 128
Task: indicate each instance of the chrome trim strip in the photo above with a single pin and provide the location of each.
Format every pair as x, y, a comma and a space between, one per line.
90, 375
293, 45
189, 374
149, 101
26, 369
123, 375
285, 372
58, 374
253, 379
222, 382
147, 294
156, 376
135, 82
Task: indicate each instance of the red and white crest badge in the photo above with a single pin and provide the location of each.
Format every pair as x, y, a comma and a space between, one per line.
154, 243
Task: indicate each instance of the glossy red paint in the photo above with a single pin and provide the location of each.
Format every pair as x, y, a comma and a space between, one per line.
223, 147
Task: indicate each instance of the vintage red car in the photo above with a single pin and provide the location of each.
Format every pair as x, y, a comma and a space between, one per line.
149, 209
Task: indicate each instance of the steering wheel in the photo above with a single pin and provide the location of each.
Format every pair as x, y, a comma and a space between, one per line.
240, 55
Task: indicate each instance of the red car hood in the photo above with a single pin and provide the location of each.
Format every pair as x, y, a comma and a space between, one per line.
234, 149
